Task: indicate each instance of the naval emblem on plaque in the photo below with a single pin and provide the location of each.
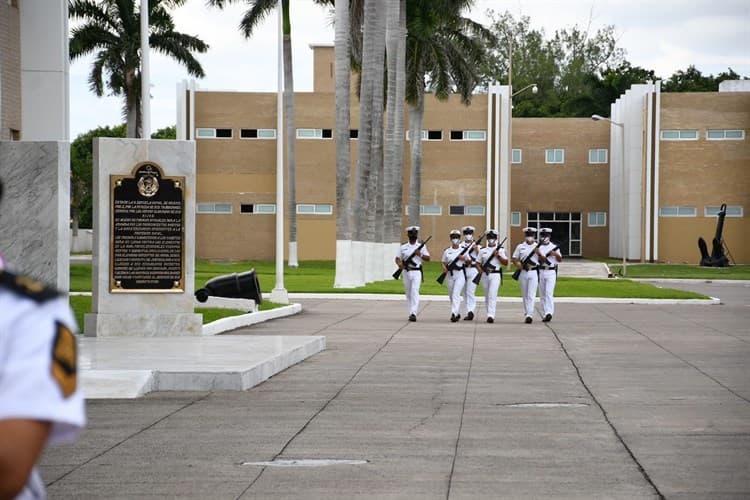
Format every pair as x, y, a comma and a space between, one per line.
147, 232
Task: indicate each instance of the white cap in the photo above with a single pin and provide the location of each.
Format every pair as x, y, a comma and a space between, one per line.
491, 231
529, 229
412, 228
456, 232
546, 230
468, 229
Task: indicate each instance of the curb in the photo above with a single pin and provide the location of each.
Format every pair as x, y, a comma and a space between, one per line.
233, 322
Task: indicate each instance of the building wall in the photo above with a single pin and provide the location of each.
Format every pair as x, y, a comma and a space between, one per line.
704, 173
10, 70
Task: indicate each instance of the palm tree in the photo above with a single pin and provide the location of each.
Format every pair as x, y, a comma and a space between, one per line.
111, 29
257, 12
444, 54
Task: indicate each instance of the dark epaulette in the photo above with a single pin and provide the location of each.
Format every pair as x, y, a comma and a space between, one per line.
27, 287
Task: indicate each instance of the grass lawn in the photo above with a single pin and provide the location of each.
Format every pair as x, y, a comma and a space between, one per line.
317, 276
739, 272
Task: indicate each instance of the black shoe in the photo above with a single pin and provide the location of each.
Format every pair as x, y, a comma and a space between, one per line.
528, 320
490, 320
412, 317
547, 318
469, 316
454, 318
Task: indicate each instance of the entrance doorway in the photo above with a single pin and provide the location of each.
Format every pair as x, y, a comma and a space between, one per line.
566, 229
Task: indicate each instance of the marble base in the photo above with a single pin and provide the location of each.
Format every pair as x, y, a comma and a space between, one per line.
131, 367
143, 325
35, 210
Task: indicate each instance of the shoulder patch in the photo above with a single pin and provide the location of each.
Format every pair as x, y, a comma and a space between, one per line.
64, 360
27, 287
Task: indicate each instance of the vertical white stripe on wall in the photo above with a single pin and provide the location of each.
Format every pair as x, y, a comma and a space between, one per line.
657, 145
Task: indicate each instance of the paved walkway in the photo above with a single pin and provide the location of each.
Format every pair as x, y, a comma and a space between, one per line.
607, 401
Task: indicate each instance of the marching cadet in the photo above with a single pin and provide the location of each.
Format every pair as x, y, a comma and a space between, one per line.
40, 402
470, 288
493, 259
526, 259
412, 268
456, 277
550, 258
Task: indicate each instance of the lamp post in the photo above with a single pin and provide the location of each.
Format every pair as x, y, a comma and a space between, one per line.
624, 190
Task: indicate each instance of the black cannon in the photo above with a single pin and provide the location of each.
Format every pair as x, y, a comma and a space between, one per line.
233, 286
717, 258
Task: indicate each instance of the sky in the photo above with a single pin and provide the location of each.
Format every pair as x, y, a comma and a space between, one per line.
665, 36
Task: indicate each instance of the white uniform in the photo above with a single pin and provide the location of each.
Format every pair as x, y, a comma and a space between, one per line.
38, 364
547, 280
529, 280
412, 275
491, 280
470, 288
455, 279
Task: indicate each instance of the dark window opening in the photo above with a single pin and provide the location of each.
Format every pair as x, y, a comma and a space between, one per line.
434, 135
456, 209
15, 135
327, 133
224, 132
457, 135
354, 133
246, 208
248, 133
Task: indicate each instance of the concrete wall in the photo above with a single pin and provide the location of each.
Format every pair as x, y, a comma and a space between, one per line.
35, 210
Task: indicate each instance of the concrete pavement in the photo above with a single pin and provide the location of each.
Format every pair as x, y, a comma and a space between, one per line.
607, 401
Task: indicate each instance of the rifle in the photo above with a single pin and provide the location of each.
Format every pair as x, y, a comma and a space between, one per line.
487, 267
525, 262
441, 278
517, 272
397, 274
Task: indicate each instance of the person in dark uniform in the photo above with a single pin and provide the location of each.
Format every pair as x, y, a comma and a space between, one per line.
40, 400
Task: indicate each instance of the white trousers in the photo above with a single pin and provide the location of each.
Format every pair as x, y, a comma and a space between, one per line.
455, 281
547, 280
491, 285
412, 281
470, 290
529, 281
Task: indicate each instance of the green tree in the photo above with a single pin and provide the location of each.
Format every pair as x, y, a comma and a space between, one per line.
81, 173
111, 30
165, 133
692, 80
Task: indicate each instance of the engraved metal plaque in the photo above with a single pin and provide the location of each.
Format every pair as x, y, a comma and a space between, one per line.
147, 232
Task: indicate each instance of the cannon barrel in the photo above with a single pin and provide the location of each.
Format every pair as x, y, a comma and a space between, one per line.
234, 286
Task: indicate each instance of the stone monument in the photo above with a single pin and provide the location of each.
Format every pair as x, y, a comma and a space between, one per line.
144, 239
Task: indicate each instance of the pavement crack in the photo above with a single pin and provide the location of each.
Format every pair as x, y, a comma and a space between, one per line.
426, 419
645, 474
129, 437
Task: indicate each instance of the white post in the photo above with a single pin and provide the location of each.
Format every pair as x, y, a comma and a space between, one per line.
488, 223
279, 293
145, 74
624, 203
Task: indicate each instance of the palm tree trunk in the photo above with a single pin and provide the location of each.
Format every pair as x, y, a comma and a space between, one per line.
391, 195
290, 136
344, 277
416, 114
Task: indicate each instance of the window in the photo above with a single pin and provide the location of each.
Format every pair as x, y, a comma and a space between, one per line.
315, 209
515, 219
213, 133
353, 133
732, 211
676, 211
314, 133
555, 156
428, 135
426, 210
467, 209
516, 156
679, 135
597, 156
258, 208
214, 208
725, 135
468, 135
597, 219
258, 133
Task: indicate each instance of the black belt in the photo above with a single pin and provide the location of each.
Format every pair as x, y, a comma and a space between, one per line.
530, 268
495, 272
414, 268
548, 268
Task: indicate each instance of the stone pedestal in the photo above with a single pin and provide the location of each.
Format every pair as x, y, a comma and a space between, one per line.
134, 313
35, 210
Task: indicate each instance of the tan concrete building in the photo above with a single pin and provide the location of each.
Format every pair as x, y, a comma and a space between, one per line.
565, 173
10, 71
